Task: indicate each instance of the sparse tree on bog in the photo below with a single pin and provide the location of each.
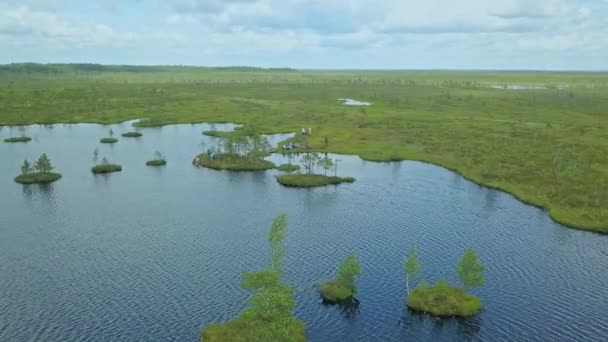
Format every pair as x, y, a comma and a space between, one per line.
469, 270
158, 156
326, 163
111, 132
310, 160
348, 271
412, 266
95, 155
276, 238
26, 168
43, 164
104, 161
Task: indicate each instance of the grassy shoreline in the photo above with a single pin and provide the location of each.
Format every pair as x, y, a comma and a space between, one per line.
414, 117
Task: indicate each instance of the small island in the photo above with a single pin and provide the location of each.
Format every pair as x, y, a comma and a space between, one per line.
108, 140
343, 287
232, 162
134, 134
310, 179
288, 167
441, 299
159, 160
106, 167
39, 173
21, 139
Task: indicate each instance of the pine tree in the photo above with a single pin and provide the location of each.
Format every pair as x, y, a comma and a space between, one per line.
26, 167
412, 266
470, 272
43, 164
326, 163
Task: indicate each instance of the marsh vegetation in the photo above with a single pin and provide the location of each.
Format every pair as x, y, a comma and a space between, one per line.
39, 172
106, 167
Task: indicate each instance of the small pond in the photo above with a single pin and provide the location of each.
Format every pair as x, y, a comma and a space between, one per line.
155, 254
351, 102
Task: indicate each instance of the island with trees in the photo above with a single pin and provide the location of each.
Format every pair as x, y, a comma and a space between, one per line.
40, 172
441, 299
240, 151
309, 178
158, 160
110, 139
106, 167
343, 287
270, 315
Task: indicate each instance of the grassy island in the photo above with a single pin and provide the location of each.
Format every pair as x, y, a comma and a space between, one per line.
232, 162
108, 140
443, 300
106, 168
18, 139
132, 135
39, 172
308, 181
288, 167
156, 162
38, 178
343, 287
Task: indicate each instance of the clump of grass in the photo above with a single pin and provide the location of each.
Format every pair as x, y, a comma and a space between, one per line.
288, 167
233, 162
18, 139
343, 287
38, 178
106, 167
311, 180
332, 291
108, 140
134, 134
443, 300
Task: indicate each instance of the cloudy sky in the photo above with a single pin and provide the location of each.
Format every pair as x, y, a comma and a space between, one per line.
379, 34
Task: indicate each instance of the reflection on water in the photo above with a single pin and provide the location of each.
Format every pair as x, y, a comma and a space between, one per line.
154, 254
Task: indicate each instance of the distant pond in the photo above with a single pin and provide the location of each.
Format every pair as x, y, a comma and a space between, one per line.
155, 254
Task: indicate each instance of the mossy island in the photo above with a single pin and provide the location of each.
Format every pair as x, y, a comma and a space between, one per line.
108, 140
443, 300
38, 173
298, 180
106, 167
342, 288
288, 167
134, 134
22, 139
232, 162
159, 160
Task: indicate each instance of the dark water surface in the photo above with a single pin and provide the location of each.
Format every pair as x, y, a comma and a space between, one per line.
155, 254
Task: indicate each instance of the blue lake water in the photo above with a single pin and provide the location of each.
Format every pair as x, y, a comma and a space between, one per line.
155, 254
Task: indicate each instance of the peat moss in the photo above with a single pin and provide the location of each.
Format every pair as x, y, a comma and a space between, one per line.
17, 139
108, 140
106, 168
308, 181
243, 330
334, 292
288, 167
442, 300
156, 162
38, 178
233, 162
132, 135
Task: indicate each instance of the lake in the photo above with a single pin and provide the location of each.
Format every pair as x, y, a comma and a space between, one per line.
155, 254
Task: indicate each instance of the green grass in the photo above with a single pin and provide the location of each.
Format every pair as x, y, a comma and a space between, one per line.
233, 162
334, 292
547, 147
17, 139
156, 162
132, 135
243, 330
106, 168
308, 181
38, 177
288, 167
108, 140
443, 301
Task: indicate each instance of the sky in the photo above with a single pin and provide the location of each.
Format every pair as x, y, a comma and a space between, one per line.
314, 34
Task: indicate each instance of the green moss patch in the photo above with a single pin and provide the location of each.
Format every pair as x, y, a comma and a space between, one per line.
108, 140
443, 301
245, 330
233, 162
17, 139
334, 292
132, 135
38, 178
309, 181
106, 168
156, 162
288, 167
